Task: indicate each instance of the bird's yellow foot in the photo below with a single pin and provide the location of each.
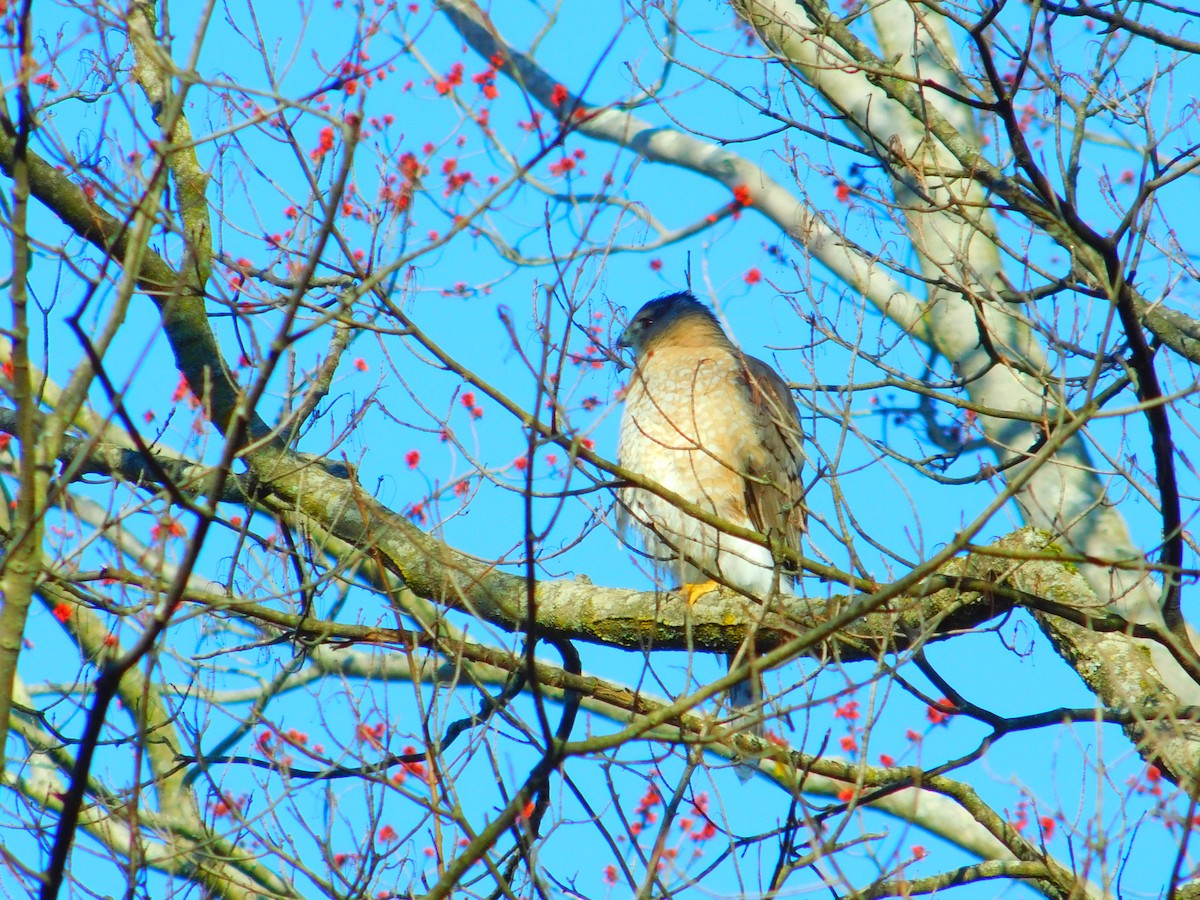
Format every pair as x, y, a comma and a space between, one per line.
693, 592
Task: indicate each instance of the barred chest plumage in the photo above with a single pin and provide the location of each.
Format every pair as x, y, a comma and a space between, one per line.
684, 427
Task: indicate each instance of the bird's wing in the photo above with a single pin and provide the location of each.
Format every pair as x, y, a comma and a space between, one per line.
774, 487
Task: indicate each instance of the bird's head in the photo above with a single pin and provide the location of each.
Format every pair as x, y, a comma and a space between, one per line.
673, 314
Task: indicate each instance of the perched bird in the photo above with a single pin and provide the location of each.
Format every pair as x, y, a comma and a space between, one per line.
720, 429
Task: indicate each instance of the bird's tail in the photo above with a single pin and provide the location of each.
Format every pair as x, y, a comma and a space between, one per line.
745, 702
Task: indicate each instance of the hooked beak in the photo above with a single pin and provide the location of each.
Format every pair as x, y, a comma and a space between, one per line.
625, 341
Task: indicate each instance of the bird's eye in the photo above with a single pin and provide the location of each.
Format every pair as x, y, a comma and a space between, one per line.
647, 322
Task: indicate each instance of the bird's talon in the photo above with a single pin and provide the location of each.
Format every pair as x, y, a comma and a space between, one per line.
693, 592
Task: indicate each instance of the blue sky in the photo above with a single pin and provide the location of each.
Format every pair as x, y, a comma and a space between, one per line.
405, 401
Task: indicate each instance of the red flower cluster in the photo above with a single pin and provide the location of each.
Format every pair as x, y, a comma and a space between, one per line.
452, 80
467, 399
487, 82
567, 163
371, 734
166, 528
324, 146
416, 768
183, 391
411, 170
939, 713
227, 805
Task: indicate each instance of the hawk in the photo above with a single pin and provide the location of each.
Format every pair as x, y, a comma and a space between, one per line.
720, 429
